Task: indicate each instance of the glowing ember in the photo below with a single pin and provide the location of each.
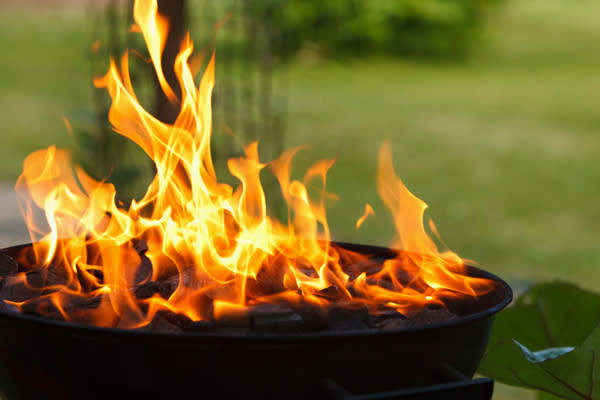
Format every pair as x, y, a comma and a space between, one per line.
214, 244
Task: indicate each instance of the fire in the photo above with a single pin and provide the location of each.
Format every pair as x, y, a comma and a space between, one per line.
215, 243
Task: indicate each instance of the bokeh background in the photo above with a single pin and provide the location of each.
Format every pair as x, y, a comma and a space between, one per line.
492, 109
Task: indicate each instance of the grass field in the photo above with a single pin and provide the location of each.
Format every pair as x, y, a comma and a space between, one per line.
504, 148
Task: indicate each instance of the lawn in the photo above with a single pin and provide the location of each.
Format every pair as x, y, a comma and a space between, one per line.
504, 147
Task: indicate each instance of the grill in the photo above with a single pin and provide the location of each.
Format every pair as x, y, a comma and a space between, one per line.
43, 358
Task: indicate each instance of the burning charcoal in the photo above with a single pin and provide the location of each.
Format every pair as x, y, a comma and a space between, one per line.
233, 322
394, 323
353, 293
180, 320
56, 275
51, 275
162, 325
168, 286
330, 293
4, 306
164, 287
314, 317
27, 257
200, 327
384, 283
144, 270
428, 316
99, 274
166, 321
8, 266
383, 314
273, 318
269, 280
16, 289
37, 278
146, 290
88, 280
460, 305
140, 246
42, 306
368, 266
404, 277
83, 303
348, 316
304, 265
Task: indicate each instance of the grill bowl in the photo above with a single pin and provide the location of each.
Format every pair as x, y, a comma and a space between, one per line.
43, 358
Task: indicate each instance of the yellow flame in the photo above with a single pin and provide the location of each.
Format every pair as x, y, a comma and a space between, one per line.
219, 240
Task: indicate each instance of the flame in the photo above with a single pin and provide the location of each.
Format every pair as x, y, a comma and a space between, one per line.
215, 242
362, 219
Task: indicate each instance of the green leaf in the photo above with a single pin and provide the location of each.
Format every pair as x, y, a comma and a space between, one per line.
564, 321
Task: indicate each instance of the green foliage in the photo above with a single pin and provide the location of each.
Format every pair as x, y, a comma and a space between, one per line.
562, 321
433, 28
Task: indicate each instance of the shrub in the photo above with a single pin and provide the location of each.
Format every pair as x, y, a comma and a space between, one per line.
431, 28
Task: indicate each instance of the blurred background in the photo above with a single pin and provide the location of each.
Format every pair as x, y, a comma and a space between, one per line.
491, 106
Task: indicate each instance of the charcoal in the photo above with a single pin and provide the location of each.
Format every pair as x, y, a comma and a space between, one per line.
304, 265
140, 246
368, 266
314, 317
331, 293
404, 277
8, 266
348, 315
168, 286
162, 325
52, 275
166, 321
87, 283
308, 272
37, 278
200, 327
460, 305
13, 288
144, 270
99, 274
146, 290
164, 287
383, 313
352, 291
274, 318
42, 306
83, 303
28, 257
180, 320
233, 322
429, 316
394, 323
5, 306
56, 275
87, 280
269, 280
384, 283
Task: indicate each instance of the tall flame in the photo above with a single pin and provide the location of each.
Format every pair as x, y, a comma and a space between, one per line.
218, 240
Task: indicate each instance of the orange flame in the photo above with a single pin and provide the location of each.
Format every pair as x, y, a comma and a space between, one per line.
225, 251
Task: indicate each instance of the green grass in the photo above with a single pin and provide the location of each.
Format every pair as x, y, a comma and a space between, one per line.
504, 148
44, 74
